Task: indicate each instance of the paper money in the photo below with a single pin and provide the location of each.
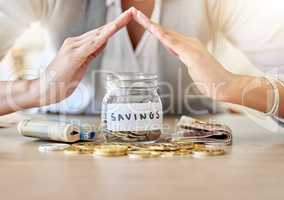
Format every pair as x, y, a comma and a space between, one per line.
193, 130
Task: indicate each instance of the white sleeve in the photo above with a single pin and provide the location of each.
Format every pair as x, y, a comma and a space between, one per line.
56, 16
256, 27
16, 16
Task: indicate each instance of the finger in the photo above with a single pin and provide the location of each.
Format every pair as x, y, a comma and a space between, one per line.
149, 25
97, 39
117, 24
91, 46
82, 71
110, 28
95, 54
164, 35
142, 19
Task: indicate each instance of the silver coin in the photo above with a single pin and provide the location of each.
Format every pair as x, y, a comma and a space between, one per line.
53, 147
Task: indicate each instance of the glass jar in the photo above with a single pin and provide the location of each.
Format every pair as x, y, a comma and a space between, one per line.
132, 108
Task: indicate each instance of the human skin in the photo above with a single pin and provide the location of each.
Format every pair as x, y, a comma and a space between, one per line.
63, 74
210, 76
76, 53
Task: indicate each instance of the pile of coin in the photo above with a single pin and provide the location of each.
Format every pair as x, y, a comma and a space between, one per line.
132, 136
140, 151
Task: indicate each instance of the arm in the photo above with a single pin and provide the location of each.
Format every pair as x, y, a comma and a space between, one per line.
254, 92
216, 81
63, 74
17, 95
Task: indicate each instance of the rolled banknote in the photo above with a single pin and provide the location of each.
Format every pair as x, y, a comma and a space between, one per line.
49, 130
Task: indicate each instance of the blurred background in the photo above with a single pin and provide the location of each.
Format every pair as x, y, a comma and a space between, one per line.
33, 49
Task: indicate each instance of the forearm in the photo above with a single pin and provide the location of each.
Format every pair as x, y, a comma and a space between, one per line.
17, 95
255, 93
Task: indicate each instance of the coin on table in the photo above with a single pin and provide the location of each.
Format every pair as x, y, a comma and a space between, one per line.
138, 147
84, 145
163, 147
111, 150
103, 154
217, 152
168, 154
140, 154
214, 146
53, 147
200, 153
184, 152
198, 146
71, 151
128, 145
186, 146
155, 154
86, 151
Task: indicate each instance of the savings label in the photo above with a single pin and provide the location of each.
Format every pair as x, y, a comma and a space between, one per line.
134, 117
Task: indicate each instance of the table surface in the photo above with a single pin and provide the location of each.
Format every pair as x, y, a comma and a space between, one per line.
253, 168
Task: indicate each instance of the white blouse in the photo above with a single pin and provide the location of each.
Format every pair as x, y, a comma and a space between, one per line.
250, 31
140, 59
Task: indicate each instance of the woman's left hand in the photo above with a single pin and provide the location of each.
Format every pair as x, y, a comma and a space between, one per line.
209, 75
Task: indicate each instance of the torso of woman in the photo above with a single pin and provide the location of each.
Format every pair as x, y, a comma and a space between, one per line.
136, 31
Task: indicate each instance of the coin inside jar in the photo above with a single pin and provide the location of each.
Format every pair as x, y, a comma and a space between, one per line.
133, 137
132, 108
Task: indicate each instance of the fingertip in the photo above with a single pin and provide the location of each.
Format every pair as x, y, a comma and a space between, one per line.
154, 29
132, 9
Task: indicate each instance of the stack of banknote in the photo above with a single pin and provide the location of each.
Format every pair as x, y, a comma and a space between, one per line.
193, 130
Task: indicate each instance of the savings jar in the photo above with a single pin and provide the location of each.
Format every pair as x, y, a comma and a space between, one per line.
132, 108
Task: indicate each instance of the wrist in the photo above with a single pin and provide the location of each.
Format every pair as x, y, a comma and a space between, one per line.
34, 92
230, 91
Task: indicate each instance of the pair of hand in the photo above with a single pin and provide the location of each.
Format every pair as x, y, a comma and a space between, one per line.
68, 68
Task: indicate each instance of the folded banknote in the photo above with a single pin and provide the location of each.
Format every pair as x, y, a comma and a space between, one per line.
194, 130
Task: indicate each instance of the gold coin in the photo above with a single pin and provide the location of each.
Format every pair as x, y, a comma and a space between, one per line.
155, 154
84, 145
108, 154
214, 146
168, 154
139, 154
83, 151
184, 152
164, 147
86, 148
186, 146
111, 149
198, 146
207, 152
217, 152
71, 151
200, 153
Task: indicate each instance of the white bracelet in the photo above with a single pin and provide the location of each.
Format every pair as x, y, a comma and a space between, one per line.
275, 107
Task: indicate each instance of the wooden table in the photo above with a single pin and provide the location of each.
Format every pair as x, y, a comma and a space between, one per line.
252, 169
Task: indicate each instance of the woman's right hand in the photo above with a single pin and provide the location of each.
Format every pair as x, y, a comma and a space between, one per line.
69, 66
